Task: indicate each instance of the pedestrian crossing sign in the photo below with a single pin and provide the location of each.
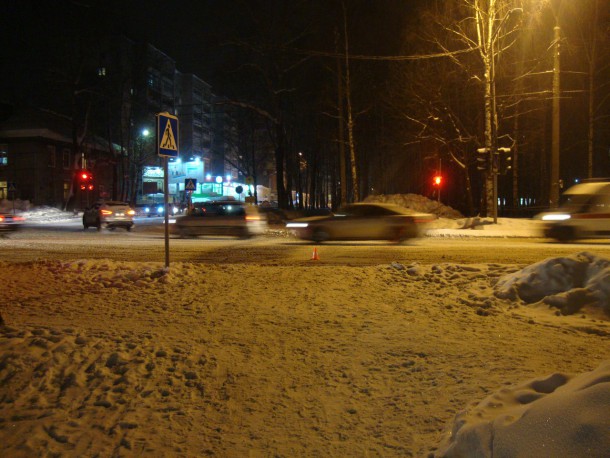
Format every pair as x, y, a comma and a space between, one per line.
167, 135
190, 184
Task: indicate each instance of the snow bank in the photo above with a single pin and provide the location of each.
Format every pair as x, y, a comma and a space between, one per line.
558, 415
568, 283
417, 203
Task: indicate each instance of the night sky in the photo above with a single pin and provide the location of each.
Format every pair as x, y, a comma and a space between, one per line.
220, 40
193, 32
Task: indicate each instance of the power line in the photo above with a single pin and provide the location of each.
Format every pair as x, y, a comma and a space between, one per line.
335, 55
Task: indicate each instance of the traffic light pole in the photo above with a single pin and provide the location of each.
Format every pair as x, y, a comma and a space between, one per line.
494, 162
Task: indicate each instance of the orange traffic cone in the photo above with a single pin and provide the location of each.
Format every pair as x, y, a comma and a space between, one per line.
314, 256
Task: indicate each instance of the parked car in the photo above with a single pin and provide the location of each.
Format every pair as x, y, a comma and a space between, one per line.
362, 221
10, 222
227, 217
584, 212
109, 214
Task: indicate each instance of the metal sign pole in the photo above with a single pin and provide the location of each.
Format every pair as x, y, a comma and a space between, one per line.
167, 146
166, 206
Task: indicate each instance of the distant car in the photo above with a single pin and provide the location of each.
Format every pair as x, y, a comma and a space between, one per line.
10, 222
362, 221
109, 214
142, 209
154, 209
584, 212
228, 218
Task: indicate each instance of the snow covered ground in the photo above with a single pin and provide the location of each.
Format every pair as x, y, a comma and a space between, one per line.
129, 359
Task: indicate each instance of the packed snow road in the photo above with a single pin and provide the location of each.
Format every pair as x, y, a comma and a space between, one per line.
278, 248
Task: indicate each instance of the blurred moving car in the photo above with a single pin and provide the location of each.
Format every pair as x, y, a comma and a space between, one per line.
109, 214
226, 217
154, 209
363, 221
584, 212
10, 222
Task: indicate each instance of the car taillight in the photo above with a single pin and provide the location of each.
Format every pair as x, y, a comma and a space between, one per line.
1, 218
106, 212
18, 218
253, 218
131, 212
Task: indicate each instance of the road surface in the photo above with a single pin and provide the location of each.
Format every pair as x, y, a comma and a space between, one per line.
276, 248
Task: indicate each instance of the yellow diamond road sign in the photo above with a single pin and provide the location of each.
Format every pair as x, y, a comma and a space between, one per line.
167, 135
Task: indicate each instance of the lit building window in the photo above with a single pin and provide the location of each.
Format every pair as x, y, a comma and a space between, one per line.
3, 154
101, 71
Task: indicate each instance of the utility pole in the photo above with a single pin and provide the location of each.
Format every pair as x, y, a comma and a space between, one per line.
554, 191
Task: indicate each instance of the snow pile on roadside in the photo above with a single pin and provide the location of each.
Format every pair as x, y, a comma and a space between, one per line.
111, 274
484, 227
546, 416
46, 215
418, 203
558, 415
568, 283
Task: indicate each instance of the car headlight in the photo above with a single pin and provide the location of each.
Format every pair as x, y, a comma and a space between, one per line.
296, 225
146, 210
556, 217
160, 209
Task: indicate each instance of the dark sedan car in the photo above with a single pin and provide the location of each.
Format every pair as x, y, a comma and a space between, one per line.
10, 222
363, 221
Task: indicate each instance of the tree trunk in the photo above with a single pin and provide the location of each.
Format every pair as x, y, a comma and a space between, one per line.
282, 199
350, 119
341, 131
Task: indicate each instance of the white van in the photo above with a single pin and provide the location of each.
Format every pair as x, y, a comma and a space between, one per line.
584, 213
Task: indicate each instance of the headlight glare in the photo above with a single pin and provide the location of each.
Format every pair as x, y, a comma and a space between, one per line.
556, 217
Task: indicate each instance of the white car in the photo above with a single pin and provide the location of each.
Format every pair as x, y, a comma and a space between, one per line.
363, 221
10, 222
109, 214
583, 213
226, 217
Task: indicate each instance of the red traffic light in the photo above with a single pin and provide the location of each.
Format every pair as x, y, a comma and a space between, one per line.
437, 180
85, 175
